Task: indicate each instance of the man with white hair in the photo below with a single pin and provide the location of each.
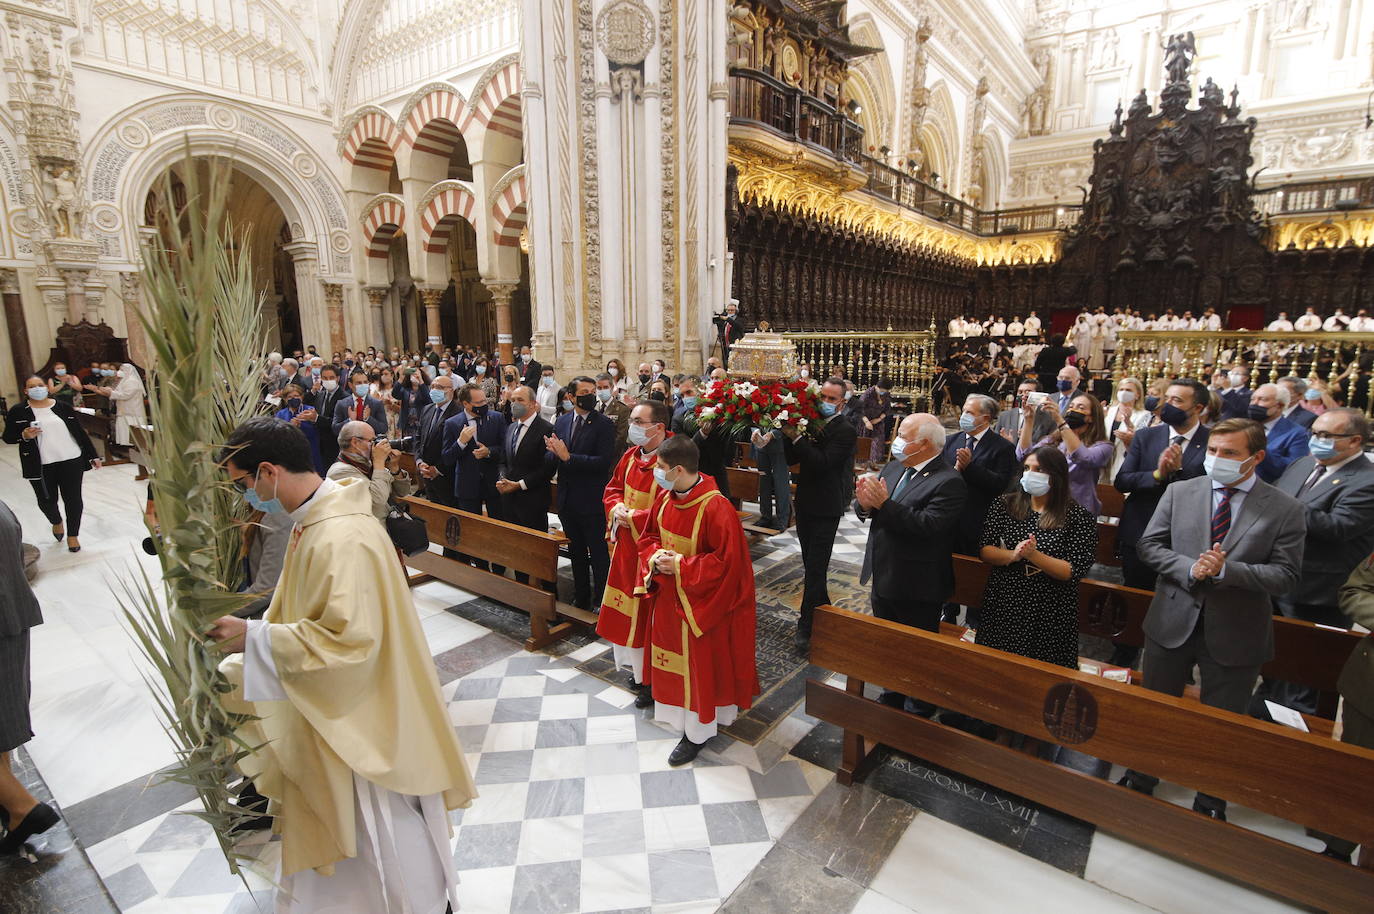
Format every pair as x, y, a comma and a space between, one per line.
1297, 389
1068, 386
913, 507
1285, 440
292, 369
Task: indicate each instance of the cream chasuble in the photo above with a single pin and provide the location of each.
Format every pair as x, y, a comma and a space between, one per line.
363, 731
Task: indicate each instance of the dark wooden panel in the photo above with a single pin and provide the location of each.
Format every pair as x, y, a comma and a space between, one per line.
1112, 500
1296, 776
530, 551
1250, 857
530, 599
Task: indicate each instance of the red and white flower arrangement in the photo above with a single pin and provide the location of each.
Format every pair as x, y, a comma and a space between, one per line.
743, 405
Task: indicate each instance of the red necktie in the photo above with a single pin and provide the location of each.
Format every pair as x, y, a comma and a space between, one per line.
360, 408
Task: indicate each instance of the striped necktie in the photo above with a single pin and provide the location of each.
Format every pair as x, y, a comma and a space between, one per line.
1221, 517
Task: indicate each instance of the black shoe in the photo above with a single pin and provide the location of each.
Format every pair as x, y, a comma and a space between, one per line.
802, 642
892, 700
1137, 786
1335, 855
683, 752
768, 522
41, 818
1208, 811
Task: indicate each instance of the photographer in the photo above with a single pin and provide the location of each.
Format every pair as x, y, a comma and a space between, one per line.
362, 455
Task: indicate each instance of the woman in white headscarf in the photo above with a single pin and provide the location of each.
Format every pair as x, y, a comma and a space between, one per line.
127, 396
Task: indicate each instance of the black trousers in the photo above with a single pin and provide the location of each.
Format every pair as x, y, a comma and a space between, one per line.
492, 502
817, 537
62, 478
922, 614
1134, 573
528, 509
591, 561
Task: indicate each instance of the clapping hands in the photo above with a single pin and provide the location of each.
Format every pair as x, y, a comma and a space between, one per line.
1210, 563
1025, 550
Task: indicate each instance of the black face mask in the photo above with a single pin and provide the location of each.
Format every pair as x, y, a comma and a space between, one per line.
1075, 420
1258, 413
657, 395
1172, 416
294, 403
644, 379
586, 402
1151, 404
480, 411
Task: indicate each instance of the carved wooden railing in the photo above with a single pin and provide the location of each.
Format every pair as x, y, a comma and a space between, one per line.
758, 99
1340, 360
905, 357
1331, 195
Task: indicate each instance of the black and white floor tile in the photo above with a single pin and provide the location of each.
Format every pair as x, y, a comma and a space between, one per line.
579, 811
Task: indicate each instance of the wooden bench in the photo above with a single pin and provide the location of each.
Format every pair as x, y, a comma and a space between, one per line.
1301, 777
744, 485
1112, 500
518, 548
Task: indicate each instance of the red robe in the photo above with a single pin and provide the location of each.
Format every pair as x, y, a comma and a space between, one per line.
701, 635
622, 621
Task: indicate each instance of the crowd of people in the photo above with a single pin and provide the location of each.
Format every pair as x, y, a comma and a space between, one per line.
1242, 500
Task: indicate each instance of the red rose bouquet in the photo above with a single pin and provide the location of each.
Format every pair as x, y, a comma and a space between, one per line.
742, 405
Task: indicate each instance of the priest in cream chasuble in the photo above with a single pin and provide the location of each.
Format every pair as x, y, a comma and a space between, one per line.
696, 574
629, 494
357, 754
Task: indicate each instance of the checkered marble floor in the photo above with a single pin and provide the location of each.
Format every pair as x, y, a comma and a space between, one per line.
578, 809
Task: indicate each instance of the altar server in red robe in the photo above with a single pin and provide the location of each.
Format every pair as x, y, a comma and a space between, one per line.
624, 621
696, 572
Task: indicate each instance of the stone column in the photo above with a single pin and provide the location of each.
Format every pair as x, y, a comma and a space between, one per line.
131, 293
76, 294
316, 323
334, 311
17, 326
376, 300
501, 293
434, 330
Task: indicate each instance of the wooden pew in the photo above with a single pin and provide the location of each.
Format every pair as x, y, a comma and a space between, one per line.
1307, 779
1311, 655
1112, 500
521, 549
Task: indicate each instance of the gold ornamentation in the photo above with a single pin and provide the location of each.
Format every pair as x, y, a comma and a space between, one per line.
763, 357
785, 185
1305, 234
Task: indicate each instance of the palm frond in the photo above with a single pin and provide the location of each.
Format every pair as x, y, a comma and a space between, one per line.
201, 318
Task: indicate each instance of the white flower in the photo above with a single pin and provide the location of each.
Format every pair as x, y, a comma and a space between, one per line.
813, 387
745, 389
802, 423
707, 413
781, 417
788, 399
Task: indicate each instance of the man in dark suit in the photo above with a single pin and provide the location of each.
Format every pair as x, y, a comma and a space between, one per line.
525, 488
325, 399
295, 376
987, 461
727, 329
360, 405
914, 507
530, 370
1235, 399
1335, 486
1295, 412
430, 462
1285, 441
825, 486
1068, 384
582, 448
1226, 542
474, 441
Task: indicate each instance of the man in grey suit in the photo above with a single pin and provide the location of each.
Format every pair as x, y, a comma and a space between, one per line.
1223, 544
1009, 421
914, 507
1336, 488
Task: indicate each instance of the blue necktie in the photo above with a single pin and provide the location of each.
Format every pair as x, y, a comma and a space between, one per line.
901, 483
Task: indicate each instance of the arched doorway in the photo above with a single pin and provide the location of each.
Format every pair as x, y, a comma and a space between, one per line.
261, 231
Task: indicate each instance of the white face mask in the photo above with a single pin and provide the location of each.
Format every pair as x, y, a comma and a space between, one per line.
37, 393
1127, 397
613, 372
329, 384
899, 449
1224, 470
1236, 378
361, 390
1035, 483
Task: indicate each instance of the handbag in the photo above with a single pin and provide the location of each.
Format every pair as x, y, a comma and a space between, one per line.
408, 534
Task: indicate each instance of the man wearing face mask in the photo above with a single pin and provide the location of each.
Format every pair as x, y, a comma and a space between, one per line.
582, 448
1297, 390
1235, 399
1009, 421
434, 467
687, 395
337, 661
1335, 486
987, 462
698, 581
1285, 440
474, 446
624, 621
1158, 457
360, 406
613, 408
548, 395
525, 488
325, 398
364, 456
913, 507
1223, 546
825, 485
531, 371
645, 380
1068, 386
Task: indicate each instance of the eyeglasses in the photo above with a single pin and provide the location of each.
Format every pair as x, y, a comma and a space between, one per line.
1332, 436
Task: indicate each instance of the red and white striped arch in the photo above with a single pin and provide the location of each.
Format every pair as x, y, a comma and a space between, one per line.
509, 213
382, 221
372, 141
432, 124
498, 107
442, 213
